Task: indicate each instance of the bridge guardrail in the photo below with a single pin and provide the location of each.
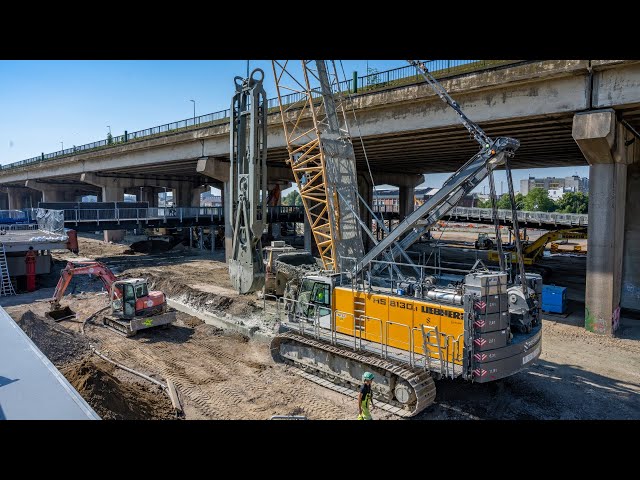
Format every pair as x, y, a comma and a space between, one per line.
574, 219
287, 213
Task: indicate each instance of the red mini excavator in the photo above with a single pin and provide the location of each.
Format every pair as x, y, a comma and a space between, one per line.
133, 306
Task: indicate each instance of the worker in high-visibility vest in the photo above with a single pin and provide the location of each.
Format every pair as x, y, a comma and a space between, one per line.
365, 397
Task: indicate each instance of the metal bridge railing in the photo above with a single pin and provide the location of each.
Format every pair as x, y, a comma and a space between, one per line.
359, 84
470, 213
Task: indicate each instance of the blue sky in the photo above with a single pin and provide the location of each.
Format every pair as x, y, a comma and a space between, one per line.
47, 104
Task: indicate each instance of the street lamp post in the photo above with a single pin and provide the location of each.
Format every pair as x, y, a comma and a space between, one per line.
194, 111
62, 145
109, 127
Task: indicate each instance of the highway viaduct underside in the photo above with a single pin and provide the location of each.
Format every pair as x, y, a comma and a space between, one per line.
564, 113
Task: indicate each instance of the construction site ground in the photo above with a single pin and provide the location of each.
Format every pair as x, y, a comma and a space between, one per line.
222, 374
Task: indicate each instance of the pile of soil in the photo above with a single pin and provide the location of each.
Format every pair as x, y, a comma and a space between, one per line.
115, 400
58, 343
151, 246
206, 301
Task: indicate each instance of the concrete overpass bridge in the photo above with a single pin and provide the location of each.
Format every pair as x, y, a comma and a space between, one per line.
564, 112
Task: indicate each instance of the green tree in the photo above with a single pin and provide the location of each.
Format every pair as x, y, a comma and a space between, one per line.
504, 202
573, 202
109, 139
484, 203
537, 200
292, 199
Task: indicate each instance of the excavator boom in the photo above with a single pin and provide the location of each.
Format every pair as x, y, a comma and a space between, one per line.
76, 268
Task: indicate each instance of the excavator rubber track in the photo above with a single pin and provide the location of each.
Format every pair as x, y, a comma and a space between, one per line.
418, 379
129, 328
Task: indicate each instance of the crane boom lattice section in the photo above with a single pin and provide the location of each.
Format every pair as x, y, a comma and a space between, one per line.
321, 156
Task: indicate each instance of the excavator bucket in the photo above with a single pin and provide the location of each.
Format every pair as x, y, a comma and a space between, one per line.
58, 314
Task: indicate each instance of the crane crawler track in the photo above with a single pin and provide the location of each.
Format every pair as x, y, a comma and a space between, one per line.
419, 380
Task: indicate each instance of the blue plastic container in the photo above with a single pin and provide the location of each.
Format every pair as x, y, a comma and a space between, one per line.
554, 299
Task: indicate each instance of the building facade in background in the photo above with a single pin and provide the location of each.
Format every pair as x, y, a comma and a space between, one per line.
559, 186
388, 200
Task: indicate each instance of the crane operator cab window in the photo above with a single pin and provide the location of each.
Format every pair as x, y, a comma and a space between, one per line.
314, 302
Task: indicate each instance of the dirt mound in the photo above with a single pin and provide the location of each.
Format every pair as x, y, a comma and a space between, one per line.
207, 301
189, 321
151, 246
113, 399
58, 343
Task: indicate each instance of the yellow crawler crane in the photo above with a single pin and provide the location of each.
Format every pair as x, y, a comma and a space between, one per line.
407, 328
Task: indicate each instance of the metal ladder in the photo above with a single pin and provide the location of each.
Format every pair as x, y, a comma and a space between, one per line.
427, 342
7, 287
359, 304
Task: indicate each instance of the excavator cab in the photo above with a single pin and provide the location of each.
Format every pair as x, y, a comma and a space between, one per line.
125, 295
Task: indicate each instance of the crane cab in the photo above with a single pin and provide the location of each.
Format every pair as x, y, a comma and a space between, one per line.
314, 301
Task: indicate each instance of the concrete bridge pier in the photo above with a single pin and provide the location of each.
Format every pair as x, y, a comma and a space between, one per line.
610, 151
365, 189
50, 193
196, 193
112, 191
21, 197
4, 201
219, 170
274, 199
407, 184
308, 237
181, 193
149, 195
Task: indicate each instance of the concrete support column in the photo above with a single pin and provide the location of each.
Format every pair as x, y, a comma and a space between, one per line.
365, 189
4, 201
630, 293
406, 200
196, 195
19, 198
16, 198
228, 234
602, 141
219, 170
308, 235
53, 192
407, 184
182, 196
152, 197
113, 194
112, 191
274, 199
